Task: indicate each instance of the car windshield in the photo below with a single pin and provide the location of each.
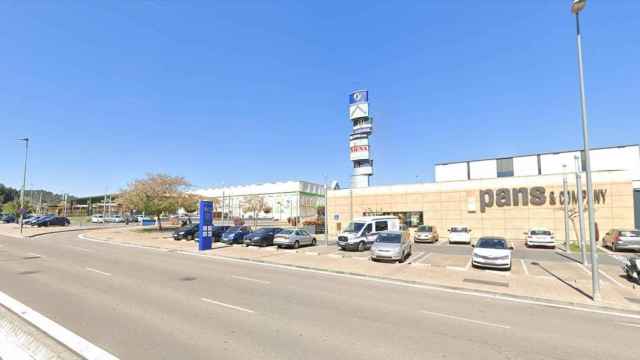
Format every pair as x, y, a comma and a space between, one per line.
541, 232
235, 228
491, 243
423, 228
459, 229
630, 233
388, 238
354, 227
263, 230
285, 232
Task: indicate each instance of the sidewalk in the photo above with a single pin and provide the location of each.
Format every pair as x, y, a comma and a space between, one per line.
568, 282
13, 230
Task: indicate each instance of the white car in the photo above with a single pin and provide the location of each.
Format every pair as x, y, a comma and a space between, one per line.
459, 235
539, 237
492, 252
97, 219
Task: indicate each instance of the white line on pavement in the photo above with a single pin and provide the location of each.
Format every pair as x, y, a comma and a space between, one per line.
421, 286
415, 257
468, 266
583, 269
630, 324
74, 342
250, 279
465, 319
524, 266
227, 305
98, 271
80, 249
34, 254
611, 278
84, 237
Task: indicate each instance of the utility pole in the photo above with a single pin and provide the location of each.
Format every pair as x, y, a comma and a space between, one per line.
583, 256
565, 202
24, 181
576, 7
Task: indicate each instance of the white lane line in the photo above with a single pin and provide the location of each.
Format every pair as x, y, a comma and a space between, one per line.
611, 278
630, 324
422, 286
74, 342
80, 249
227, 305
524, 266
35, 255
465, 319
98, 271
583, 268
250, 279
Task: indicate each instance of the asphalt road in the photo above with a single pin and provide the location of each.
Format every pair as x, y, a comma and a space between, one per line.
145, 304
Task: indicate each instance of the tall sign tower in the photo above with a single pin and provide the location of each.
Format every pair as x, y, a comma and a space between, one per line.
359, 148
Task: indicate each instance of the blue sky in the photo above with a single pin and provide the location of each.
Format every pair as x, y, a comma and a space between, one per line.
241, 92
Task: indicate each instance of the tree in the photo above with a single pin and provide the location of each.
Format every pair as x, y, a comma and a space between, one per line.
7, 194
12, 207
157, 194
255, 205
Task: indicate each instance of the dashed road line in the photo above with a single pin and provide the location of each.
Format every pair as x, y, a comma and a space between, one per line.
524, 266
98, 271
465, 319
227, 305
251, 279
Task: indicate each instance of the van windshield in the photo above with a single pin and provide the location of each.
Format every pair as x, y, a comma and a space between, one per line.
354, 227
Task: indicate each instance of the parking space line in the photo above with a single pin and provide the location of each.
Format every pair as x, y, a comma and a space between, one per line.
524, 266
98, 271
611, 278
227, 305
629, 324
466, 319
250, 279
35, 255
468, 266
583, 268
415, 257
81, 249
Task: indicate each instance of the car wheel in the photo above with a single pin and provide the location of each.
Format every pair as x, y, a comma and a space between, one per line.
313, 242
296, 244
361, 246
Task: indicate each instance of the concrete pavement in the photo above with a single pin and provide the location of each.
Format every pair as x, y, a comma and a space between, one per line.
140, 303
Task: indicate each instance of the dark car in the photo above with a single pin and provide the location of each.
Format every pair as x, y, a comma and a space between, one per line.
189, 232
261, 237
8, 218
218, 230
235, 234
42, 218
53, 220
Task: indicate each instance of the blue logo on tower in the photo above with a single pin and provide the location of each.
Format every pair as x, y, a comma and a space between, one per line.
358, 97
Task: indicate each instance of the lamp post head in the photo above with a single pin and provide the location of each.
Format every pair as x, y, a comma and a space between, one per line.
578, 5
23, 139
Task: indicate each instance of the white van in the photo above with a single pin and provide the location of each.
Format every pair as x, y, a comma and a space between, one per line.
361, 233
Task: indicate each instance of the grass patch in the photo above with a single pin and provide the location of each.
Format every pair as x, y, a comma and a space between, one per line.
575, 248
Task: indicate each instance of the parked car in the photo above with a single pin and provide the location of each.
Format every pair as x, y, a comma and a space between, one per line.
492, 252
392, 245
618, 239
8, 218
97, 219
218, 230
426, 233
53, 220
293, 238
114, 219
361, 233
261, 237
539, 237
189, 232
32, 219
41, 219
459, 235
235, 234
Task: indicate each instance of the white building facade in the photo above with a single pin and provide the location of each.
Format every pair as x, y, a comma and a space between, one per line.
286, 200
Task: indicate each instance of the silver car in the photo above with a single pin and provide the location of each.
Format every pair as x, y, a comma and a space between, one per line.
391, 245
293, 238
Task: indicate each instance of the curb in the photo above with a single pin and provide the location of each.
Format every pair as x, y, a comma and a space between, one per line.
470, 291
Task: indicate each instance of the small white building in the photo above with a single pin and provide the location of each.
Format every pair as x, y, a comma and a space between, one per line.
289, 199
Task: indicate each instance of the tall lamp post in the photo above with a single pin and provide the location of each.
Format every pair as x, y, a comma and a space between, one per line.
24, 181
576, 7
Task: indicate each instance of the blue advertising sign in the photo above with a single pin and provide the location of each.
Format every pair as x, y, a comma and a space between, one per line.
359, 96
205, 231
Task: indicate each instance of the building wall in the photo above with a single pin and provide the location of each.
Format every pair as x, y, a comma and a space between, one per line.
458, 203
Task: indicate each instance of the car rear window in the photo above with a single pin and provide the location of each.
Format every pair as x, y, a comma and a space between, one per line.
540, 232
630, 233
459, 229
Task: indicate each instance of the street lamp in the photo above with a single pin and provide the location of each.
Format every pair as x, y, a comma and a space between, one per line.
576, 7
24, 181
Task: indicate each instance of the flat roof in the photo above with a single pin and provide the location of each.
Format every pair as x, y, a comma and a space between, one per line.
534, 154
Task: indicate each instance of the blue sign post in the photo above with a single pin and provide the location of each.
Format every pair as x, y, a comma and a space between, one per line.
205, 230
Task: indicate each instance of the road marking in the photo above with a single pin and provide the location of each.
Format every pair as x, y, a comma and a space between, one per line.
611, 278
415, 257
468, 266
227, 305
524, 266
630, 324
98, 271
74, 342
465, 319
81, 249
424, 258
583, 268
250, 279
35, 255
84, 237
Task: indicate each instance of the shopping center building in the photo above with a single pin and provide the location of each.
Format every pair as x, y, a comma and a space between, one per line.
505, 196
